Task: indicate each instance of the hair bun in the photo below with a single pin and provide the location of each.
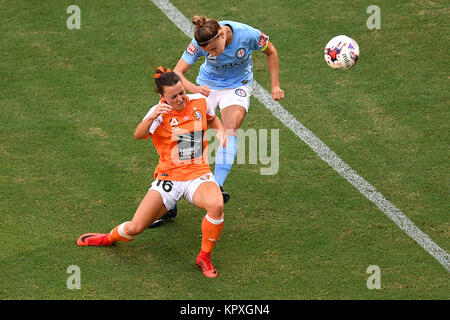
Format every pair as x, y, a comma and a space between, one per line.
199, 21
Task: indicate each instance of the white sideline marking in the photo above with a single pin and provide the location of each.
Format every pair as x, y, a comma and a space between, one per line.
323, 151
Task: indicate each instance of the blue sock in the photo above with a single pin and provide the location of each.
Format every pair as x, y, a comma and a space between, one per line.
224, 160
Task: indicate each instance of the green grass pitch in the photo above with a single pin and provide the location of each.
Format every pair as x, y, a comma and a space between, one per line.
71, 99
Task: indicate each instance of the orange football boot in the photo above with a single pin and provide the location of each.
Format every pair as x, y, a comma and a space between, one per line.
94, 239
204, 264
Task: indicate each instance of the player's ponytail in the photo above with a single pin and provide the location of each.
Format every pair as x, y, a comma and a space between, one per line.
161, 71
205, 29
165, 77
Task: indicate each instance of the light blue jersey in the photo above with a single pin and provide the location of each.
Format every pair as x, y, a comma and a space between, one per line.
234, 67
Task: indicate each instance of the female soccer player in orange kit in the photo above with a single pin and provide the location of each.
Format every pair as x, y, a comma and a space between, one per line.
177, 126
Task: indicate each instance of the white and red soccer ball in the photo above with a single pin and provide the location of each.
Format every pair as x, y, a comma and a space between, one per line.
341, 52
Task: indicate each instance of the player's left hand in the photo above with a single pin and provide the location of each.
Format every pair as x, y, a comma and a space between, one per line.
277, 93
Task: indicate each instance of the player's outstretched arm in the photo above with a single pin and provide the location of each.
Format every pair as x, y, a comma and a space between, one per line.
272, 61
180, 69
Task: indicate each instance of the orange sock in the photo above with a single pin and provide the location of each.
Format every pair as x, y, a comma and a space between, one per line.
119, 234
211, 229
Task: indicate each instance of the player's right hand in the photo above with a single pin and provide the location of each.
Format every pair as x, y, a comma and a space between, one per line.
204, 90
160, 109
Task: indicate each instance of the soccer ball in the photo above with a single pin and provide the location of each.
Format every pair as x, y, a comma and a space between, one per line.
341, 52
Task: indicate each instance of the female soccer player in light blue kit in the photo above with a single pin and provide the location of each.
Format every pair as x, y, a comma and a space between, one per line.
225, 78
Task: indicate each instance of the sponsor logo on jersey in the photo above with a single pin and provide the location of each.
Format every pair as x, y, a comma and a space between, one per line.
191, 49
240, 53
262, 40
232, 64
173, 122
190, 145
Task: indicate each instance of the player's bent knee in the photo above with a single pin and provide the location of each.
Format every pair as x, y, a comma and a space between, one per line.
135, 228
215, 209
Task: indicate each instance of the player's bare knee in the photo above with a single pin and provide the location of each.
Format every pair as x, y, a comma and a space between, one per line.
215, 209
134, 228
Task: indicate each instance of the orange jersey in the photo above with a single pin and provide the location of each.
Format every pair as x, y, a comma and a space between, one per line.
180, 140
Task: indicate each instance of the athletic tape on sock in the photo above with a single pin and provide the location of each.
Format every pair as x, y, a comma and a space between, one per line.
122, 232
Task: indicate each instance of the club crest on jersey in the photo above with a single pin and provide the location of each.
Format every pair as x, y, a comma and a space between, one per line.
240, 93
191, 49
240, 53
197, 115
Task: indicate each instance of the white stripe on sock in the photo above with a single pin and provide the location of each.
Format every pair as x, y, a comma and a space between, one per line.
214, 221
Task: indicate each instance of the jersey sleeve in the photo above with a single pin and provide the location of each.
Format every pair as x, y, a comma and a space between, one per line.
155, 123
258, 40
192, 52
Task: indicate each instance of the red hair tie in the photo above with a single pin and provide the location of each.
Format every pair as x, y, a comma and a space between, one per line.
160, 68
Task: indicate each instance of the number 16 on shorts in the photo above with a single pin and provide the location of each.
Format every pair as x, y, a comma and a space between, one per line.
166, 185
169, 194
